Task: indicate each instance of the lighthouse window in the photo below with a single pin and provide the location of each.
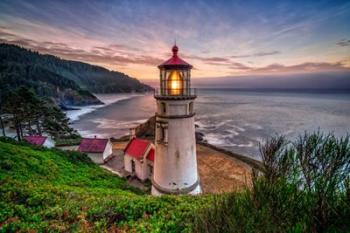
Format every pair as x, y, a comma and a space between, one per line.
162, 136
190, 107
175, 83
163, 108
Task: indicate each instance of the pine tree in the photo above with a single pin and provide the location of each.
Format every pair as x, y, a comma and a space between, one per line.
27, 110
56, 123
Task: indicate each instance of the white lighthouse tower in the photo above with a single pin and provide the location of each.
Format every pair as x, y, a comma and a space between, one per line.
175, 165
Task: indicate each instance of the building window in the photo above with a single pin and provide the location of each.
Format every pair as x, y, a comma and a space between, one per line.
150, 167
162, 133
163, 108
190, 108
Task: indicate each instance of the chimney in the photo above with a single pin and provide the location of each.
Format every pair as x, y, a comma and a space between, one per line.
132, 133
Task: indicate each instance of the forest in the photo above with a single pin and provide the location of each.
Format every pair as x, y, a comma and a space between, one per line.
67, 82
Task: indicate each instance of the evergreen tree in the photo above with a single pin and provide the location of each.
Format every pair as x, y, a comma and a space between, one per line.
56, 123
15, 105
28, 110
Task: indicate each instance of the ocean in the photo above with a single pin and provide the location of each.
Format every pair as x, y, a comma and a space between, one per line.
236, 120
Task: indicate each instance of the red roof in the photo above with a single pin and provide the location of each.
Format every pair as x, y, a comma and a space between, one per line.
93, 145
136, 148
35, 139
175, 61
150, 155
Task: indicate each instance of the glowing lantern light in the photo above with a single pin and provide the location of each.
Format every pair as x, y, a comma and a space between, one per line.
175, 76
175, 83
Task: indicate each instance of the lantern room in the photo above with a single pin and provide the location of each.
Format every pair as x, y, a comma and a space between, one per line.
175, 76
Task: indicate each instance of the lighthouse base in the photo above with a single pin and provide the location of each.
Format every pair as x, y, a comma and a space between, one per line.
160, 191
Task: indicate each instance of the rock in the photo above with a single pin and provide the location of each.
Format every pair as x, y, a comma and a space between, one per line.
200, 137
66, 108
147, 129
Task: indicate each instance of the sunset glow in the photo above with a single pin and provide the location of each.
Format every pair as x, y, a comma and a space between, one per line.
218, 38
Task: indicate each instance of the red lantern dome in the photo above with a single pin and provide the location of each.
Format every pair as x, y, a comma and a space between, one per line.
175, 78
175, 61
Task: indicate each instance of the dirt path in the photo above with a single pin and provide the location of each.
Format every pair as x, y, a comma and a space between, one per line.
218, 171
221, 173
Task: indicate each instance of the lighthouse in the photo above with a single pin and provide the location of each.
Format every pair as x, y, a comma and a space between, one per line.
175, 164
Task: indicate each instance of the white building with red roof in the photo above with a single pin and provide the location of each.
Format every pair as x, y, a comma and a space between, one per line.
175, 165
139, 158
40, 140
97, 149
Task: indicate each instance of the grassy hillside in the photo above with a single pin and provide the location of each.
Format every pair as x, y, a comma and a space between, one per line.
69, 82
305, 188
50, 189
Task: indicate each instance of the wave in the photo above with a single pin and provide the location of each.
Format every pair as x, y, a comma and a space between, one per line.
249, 144
219, 139
103, 123
215, 139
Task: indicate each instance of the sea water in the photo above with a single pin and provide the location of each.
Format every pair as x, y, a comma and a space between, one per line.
236, 120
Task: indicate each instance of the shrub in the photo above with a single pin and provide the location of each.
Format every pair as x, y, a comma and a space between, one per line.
304, 188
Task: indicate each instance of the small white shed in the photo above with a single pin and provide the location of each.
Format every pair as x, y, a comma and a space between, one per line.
97, 149
139, 158
40, 140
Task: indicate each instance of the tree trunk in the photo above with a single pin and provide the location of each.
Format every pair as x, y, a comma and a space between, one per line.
17, 130
2, 127
20, 129
38, 127
30, 128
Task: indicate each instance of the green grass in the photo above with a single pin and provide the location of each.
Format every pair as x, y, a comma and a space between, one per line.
305, 187
42, 189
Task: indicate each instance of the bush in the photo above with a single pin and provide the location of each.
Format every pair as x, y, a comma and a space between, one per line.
52, 190
304, 188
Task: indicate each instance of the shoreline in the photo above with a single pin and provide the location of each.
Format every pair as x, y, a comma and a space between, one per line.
107, 99
146, 130
220, 171
255, 164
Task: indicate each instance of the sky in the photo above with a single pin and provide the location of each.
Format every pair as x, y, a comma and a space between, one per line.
219, 38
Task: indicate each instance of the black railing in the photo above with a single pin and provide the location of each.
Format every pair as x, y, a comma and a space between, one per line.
184, 92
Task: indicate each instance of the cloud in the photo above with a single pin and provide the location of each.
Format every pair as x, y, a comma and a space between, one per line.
319, 80
209, 60
227, 60
111, 54
343, 43
306, 67
259, 54
239, 66
124, 55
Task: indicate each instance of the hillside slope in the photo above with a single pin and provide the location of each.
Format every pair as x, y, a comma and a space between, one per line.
44, 83
69, 82
43, 189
